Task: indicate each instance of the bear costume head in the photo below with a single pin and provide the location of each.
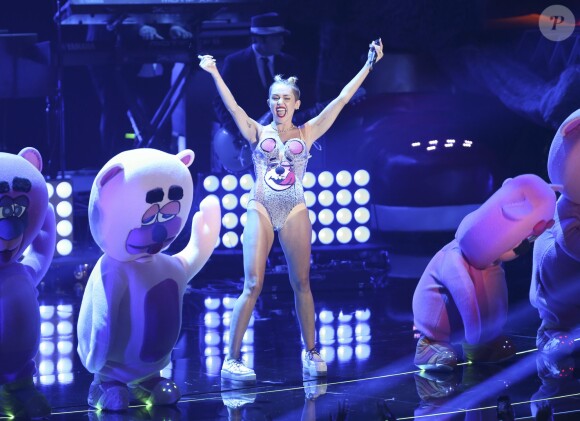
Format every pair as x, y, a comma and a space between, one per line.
140, 201
23, 202
523, 207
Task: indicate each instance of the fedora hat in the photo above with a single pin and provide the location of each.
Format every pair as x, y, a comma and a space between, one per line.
267, 24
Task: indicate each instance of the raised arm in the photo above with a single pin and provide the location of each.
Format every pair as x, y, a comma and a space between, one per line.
323, 121
247, 126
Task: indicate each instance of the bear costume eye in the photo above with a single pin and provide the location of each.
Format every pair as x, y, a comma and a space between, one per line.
169, 211
18, 210
12, 211
6, 211
150, 216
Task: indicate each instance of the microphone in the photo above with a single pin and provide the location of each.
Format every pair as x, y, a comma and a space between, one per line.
373, 52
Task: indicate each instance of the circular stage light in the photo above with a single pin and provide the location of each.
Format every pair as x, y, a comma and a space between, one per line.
229, 302
325, 179
65, 347
211, 303
309, 198
326, 236
309, 180
230, 239
362, 315
343, 178
229, 201
211, 183
312, 216
246, 182
362, 329
362, 351
326, 217
343, 197
362, 196
344, 235
50, 189
46, 348
64, 328
326, 316
344, 216
362, 215
64, 209
244, 199
362, 177
325, 198
230, 220
64, 190
64, 247
211, 339
362, 234
229, 182
212, 319
64, 228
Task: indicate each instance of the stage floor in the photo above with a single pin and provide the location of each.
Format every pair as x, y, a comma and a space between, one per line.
365, 332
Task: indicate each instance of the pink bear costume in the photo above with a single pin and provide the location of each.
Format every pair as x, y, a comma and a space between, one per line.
555, 288
26, 219
130, 315
466, 279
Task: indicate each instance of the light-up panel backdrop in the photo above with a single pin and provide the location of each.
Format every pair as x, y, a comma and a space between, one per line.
60, 194
216, 334
338, 206
56, 351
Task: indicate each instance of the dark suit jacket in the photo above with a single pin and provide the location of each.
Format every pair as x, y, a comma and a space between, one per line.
241, 74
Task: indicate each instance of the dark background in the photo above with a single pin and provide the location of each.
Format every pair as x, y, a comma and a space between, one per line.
447, 69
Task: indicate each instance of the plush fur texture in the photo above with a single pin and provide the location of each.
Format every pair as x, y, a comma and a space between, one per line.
27, 220
555, 288
130, 316
465, 277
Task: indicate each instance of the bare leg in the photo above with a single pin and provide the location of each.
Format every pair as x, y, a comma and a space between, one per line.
295, 240
258, 239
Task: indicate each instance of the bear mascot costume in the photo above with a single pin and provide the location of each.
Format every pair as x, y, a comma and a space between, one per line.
130, 316
462, 294
27, 242
555, 284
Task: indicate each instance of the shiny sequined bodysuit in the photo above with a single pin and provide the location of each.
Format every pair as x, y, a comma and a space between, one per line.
279, 168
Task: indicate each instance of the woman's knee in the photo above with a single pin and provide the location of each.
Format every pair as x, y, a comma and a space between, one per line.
253, 286
301, 284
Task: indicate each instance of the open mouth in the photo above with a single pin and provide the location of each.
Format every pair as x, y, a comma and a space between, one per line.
153, 248
280, 181
280, 111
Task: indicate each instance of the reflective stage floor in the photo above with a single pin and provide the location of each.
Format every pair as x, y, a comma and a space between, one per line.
365, 331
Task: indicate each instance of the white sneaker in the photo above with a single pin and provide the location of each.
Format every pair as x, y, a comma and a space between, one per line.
314, 388
235, 399
313, 364
236, 370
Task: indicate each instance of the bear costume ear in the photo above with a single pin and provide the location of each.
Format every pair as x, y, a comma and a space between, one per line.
186, 156
108, 175
32, 156
570, 126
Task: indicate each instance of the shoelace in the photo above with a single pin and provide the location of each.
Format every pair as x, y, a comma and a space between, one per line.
238, 363
311, 353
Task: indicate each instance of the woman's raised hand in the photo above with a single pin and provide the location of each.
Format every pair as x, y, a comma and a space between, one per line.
375, 48
207, 63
